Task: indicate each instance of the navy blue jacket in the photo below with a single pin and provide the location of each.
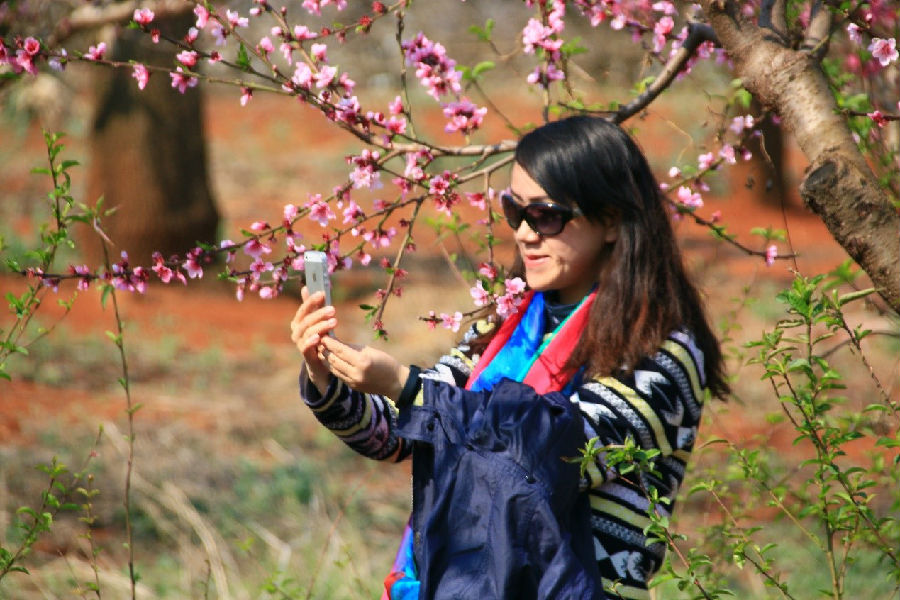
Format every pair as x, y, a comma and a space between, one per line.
497, 512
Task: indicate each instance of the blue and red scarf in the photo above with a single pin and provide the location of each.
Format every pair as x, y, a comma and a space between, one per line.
519, 351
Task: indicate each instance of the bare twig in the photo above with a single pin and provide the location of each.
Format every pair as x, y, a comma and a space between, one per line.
697, 34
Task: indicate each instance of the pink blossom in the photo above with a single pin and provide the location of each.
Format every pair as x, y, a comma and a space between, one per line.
187, 57
716, 216
537, 35
258, 226
142, 75
325, 76
143, 16
202, 15
192, 264
246, 95
96, 52
302, 76
319, 52
507, 305
435, 71
514, 286
660, 30
853, 33
477, 200
154, 35
885, 50
289, 214
218, 32
705, 160
346, 83
380, 238
488, 271
84, 279
255, 248
727, 153
235, 19
314, 7
192, 35
353, 212
182, 81
464, 116
24, 62
396, 106
396, 125
228, 246
740, 123
57, 63
674, 172
544, 76
288, 52
31, 46
164, 273
302, 32
664, 7
480, 296
319, 211
451, 322
878, 117
771, 253
266, 46
365, 174
689, 198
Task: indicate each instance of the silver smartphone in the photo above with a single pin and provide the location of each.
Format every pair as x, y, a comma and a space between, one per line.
315, 265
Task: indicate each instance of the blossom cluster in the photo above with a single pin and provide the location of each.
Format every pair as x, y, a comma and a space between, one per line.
506, 303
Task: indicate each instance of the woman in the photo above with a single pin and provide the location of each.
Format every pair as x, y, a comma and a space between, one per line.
629, 347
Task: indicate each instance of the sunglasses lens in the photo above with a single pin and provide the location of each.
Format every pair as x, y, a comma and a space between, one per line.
511, 211
545, 220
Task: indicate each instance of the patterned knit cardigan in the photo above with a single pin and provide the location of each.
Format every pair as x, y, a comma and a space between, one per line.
658, 406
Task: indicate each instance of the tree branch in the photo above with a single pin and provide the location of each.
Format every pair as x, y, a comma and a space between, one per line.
818, 33
771, 17
697, 34
840, 186
90, 17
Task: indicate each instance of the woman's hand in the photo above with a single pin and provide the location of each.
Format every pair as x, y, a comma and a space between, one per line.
365, 369
312, 322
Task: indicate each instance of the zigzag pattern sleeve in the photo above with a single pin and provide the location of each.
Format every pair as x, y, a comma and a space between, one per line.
658, 406
367, 423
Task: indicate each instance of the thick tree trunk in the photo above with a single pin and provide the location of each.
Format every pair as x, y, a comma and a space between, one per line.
148, 158
839, 185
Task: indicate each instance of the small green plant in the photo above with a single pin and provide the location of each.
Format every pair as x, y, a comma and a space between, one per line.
764, 509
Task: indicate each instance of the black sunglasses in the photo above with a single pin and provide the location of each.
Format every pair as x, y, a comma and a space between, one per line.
544, 218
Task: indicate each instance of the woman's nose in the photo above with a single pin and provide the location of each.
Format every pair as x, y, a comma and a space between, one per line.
526, 234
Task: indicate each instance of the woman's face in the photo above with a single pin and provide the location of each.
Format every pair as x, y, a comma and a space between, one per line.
567, 262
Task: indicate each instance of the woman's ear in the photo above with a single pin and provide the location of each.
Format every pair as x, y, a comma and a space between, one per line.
611, 225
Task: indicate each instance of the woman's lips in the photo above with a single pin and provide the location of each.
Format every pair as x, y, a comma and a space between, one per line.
534, 260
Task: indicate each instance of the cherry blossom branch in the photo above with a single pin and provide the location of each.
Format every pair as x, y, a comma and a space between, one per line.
697, 34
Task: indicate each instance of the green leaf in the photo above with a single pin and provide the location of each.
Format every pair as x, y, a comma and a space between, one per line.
243, 58
743, 97
842, 300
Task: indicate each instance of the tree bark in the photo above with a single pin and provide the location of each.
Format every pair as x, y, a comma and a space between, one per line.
839, 187
148, 156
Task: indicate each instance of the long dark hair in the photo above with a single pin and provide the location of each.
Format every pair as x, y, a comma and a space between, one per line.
644, 292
